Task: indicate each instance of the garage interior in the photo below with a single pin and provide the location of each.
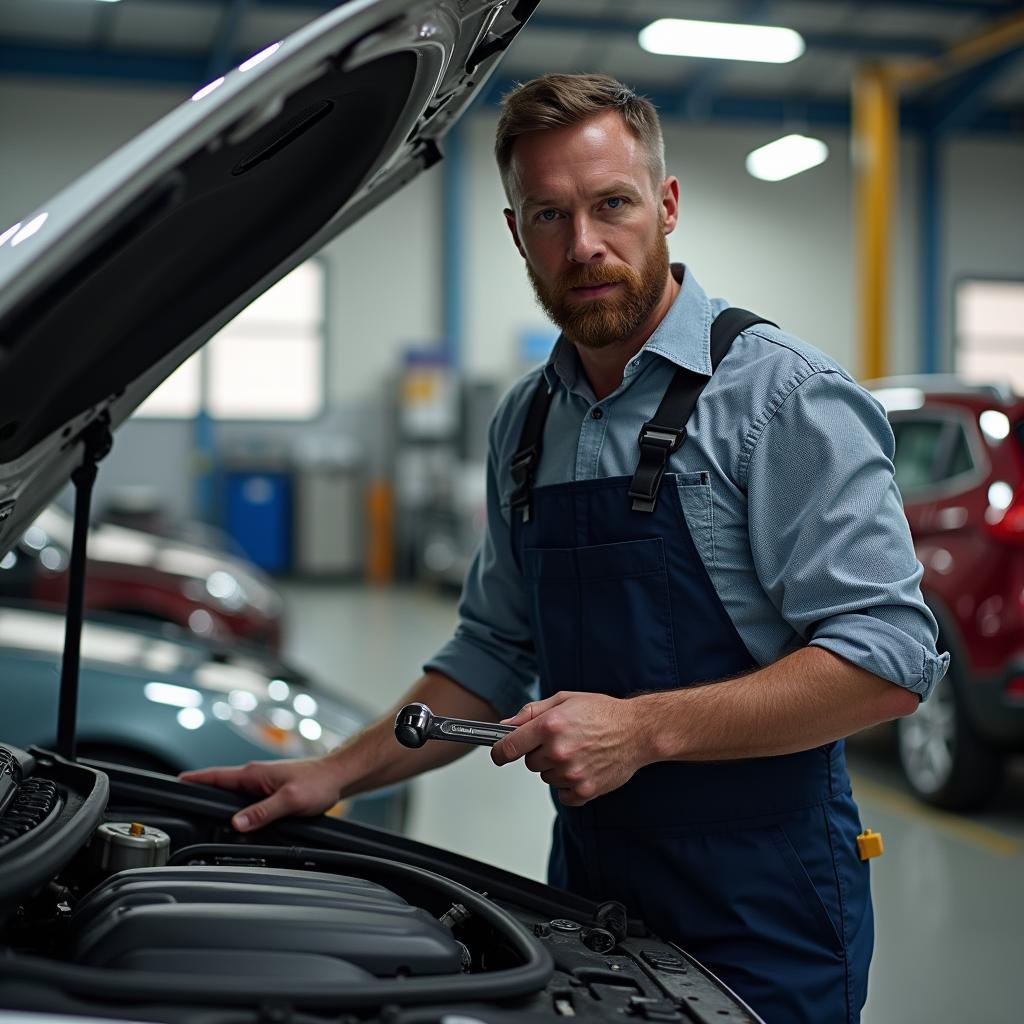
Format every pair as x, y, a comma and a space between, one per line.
335, 433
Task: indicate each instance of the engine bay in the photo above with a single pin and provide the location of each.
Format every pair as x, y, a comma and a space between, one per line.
126, 895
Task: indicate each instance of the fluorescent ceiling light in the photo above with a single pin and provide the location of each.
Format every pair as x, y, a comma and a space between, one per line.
683, 38
785, 157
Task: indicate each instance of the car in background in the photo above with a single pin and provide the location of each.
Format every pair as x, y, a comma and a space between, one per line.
210, 592
959, 465
156, 698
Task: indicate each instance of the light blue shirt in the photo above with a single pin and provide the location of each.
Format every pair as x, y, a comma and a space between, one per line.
786, 480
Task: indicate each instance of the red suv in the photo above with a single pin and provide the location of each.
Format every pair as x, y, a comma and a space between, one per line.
213, 593
960, 468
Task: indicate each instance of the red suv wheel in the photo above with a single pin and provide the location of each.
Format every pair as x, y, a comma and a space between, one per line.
943, 759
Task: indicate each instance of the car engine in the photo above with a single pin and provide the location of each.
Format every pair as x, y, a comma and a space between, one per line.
126, 895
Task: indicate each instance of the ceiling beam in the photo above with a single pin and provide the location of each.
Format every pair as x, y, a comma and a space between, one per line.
966, 97
17, 58
188, 73
696, 93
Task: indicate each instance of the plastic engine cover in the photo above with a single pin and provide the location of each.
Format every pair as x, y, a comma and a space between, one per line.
222, 920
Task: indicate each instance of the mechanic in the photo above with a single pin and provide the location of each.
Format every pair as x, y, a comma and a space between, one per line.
764, 550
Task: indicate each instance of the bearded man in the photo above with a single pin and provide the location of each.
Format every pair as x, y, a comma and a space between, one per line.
695, 544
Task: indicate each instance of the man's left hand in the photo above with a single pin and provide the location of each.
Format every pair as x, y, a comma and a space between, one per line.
583, 744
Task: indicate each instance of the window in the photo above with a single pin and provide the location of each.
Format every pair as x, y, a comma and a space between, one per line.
917, 445
960, 460
990, 332
266, 364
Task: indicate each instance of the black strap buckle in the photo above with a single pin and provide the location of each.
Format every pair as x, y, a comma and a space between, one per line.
670, 439
657, 443
523, 464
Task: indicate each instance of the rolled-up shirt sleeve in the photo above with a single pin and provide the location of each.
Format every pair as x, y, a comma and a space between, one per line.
829, 537
492, 653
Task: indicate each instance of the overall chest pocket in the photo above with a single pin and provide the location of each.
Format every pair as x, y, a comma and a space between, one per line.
602, 617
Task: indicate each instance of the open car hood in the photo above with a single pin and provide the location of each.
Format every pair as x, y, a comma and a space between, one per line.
106, 289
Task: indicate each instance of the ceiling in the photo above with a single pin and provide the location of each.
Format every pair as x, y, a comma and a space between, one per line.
189, 42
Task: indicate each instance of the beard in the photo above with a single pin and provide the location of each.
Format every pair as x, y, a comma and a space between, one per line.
598, 323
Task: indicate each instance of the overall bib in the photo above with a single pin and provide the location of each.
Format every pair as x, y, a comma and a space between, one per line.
750, 865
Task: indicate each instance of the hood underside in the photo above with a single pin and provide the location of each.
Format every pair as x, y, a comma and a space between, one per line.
109, 287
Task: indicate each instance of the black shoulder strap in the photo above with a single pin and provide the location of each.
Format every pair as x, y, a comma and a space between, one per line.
524, 462
658, 437
665, 433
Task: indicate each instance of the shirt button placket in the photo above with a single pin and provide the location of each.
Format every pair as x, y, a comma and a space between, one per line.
594, 433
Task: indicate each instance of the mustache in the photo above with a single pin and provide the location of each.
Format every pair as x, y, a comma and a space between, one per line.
589, 276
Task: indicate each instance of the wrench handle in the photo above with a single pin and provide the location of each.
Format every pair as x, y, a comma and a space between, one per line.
461, 730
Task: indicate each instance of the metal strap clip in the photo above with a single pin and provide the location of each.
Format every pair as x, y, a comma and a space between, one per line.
523, 464
657, 443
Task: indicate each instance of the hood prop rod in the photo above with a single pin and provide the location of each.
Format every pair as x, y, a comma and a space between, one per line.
97, 441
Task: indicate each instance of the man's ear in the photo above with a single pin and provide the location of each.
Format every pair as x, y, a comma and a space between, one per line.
670, 203
510, 220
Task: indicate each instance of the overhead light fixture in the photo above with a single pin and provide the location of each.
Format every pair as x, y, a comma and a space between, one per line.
786, 156
681, 37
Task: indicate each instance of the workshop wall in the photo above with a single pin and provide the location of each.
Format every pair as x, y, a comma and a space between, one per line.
785, 249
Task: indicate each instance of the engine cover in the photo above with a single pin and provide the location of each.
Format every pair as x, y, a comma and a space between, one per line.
247, 921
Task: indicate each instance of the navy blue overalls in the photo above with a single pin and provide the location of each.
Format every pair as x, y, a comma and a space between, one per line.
750, 865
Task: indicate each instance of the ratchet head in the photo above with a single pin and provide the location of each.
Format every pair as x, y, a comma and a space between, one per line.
412, 725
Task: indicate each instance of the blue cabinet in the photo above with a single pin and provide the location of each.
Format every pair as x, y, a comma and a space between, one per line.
258, 515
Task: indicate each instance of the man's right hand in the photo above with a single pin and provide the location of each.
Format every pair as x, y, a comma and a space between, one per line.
303, 787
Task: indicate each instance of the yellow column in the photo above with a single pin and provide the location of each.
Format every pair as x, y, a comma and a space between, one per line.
875, 127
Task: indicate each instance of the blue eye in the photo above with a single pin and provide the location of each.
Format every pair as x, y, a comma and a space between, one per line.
615, 202
548, 215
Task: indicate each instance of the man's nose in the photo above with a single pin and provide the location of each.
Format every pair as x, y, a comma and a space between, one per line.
584, 244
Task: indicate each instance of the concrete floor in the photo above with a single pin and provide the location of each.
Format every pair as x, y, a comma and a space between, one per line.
949, 892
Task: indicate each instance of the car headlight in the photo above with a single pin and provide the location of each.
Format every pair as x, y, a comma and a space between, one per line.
226, 590
298, 728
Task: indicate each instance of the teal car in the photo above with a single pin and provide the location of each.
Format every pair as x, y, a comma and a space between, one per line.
155, 697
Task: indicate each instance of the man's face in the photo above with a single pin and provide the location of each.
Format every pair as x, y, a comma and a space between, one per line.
591, 226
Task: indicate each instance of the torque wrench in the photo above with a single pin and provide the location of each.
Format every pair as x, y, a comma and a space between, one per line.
416, 723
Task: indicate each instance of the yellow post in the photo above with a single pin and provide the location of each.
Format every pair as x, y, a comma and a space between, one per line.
380, 530
875, 126
875, 133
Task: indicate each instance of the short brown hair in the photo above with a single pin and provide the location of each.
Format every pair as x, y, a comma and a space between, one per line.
555, 101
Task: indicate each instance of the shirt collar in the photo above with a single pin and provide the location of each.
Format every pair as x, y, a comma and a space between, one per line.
683, 337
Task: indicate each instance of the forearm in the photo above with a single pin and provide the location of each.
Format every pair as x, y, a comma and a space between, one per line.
808, 698
374, 758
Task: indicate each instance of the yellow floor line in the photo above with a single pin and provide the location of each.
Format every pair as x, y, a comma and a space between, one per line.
981, 836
